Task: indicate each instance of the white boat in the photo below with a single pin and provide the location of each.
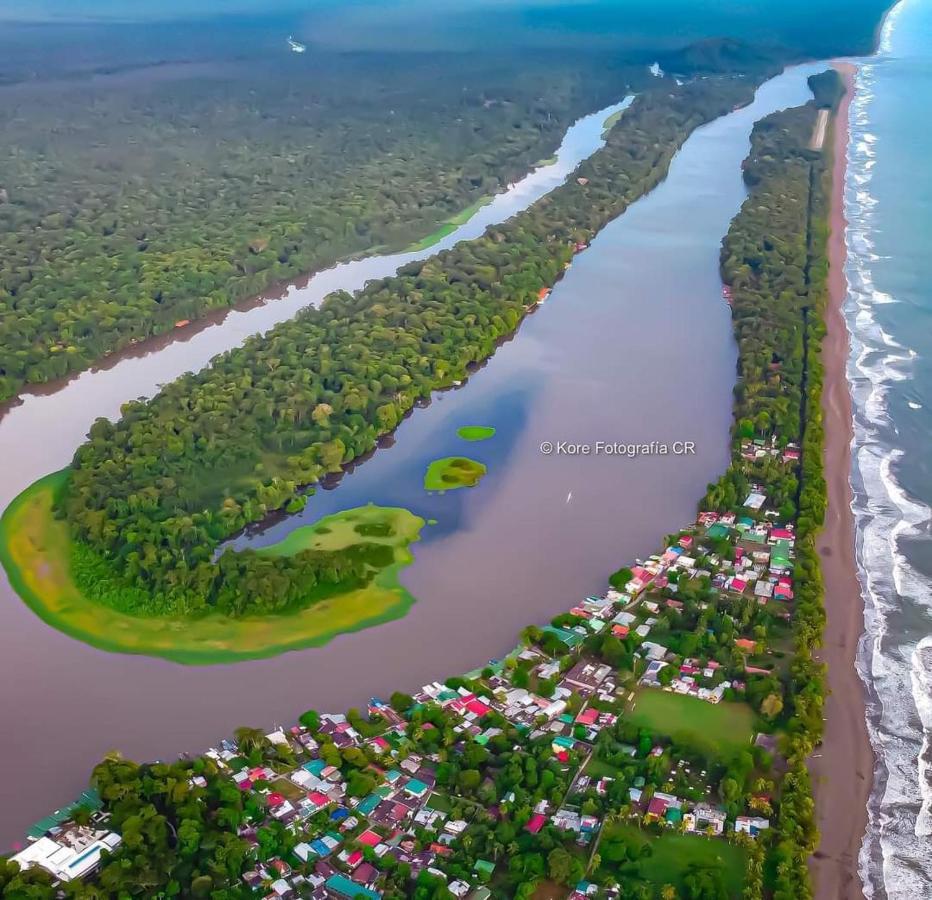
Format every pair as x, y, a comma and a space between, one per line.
296, 46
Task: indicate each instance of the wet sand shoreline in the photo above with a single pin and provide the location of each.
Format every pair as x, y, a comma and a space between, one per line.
842, 768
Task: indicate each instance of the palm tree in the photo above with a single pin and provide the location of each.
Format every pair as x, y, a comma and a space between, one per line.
248, 739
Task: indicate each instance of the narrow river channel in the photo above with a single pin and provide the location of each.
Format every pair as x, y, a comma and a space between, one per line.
634, 344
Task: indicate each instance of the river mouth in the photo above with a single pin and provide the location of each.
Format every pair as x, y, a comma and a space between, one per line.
627, 348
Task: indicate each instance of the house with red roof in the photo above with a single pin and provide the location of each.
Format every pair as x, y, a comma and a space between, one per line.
478, 708
535, 823
588, 716
657, 807
318, 799
369, 838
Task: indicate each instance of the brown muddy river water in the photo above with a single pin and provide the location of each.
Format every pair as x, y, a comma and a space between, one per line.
634, 345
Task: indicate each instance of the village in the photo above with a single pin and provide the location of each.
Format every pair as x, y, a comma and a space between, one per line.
643, 718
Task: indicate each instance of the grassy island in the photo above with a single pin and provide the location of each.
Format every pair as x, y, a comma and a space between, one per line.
476, 432
36, 550
453, 472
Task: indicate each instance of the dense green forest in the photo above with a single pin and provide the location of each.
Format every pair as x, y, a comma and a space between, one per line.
152, 496
181, 821
152, 173
130, 202
775, 260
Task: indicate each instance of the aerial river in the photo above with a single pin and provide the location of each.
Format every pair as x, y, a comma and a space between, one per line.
634, 344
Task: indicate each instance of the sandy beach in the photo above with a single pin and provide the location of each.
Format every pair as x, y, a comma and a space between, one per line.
842, 768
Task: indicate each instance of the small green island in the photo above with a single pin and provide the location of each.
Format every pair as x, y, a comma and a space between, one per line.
453, 472
476, 432
37, 552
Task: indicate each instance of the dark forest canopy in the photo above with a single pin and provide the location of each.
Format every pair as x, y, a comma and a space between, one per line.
138, 200
156, 493
152, 173
186, 823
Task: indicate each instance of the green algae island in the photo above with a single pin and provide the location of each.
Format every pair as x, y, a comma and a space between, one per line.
453, 472
476, 432
36, 550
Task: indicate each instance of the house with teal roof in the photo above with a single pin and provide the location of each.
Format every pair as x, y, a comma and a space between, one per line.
344, 887
369, 803
484, 869
718, 531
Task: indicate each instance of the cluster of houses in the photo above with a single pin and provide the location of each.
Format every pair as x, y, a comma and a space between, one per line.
344, 840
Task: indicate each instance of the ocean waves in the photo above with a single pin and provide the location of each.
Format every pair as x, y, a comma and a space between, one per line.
895, 654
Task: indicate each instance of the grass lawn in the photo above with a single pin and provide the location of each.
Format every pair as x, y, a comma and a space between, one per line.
453, 472
288, 789
439, 803
723, 727
36, 551
672, 855
675, 853
597, 768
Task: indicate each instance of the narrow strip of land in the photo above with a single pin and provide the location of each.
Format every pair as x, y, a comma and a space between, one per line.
842, 768
818, 133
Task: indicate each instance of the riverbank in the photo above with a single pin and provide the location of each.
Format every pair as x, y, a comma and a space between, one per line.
35, 550
519, 516
842, 768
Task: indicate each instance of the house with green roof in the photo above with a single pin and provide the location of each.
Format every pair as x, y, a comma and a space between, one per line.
484, 869
343, 887
368, 804
780, 556
416, 788
718, 531
673, 816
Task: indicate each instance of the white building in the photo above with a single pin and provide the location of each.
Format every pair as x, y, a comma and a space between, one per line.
71, 855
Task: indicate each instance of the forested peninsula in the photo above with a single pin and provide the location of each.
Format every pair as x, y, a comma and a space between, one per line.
133, 203
152, 497
775, 260
618, 797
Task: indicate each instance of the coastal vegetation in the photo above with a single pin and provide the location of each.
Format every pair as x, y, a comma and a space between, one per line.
152, 497
520, 792
43, 565
774, 259
453, 472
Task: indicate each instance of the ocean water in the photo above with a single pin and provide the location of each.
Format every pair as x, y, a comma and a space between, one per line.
889, 207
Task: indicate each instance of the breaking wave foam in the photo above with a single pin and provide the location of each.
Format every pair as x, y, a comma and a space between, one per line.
896, 854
